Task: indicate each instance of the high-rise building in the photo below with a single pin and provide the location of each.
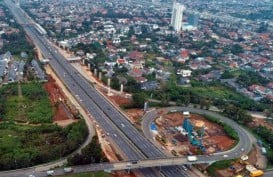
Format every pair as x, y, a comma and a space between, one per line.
177, 15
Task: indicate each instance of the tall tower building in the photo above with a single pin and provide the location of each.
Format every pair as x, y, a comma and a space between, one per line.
177, 15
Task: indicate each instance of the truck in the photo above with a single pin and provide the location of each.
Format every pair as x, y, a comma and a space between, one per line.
49, 173
68, 170
192, 158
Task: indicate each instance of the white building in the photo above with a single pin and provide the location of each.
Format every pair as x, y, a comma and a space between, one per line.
177, 15
184, 73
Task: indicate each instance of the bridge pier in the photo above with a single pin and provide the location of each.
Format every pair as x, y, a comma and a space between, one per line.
128, 171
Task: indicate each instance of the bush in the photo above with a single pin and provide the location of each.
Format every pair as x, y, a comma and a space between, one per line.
219, 165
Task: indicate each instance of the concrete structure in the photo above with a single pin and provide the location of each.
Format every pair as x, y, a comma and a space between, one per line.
121, 88
177, 15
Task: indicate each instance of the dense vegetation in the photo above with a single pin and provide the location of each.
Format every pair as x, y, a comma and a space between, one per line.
205, 95
267, 136
219, 165
247, 78
27, 145
92, 153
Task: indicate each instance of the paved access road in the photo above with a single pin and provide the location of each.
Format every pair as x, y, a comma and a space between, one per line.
245, 139
268, 174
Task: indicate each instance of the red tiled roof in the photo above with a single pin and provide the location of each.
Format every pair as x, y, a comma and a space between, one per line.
120, 61
136, 55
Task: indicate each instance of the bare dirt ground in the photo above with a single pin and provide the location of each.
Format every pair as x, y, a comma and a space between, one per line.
62, 112
120, 101
263, 122
123, 174
135, 114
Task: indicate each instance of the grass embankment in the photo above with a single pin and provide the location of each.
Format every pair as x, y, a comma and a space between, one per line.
219, 165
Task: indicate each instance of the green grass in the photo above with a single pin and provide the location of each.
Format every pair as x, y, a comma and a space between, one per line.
95, 174
23, 109
219, 92
34, 106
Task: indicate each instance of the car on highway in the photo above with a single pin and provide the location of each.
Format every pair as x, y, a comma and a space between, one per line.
225, 156
134, 162
50, 173
184, 168
68, 170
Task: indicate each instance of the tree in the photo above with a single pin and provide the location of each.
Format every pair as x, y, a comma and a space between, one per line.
115, 83
139, 99
226, 75
236, 49
92, 153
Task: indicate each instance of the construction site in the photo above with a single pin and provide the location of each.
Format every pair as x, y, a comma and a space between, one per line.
183, 133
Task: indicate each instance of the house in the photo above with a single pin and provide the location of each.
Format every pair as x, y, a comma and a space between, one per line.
184, 72
140, 79
135, 55
270, 85
121, 61
135, 72
151, 85
116, 41
259, 89
136, 64
162, 75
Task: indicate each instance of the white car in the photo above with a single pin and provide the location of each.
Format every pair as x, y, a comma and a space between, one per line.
225, 156
50, 172
184, 168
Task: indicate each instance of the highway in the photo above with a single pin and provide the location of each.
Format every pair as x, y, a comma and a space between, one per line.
125, 136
